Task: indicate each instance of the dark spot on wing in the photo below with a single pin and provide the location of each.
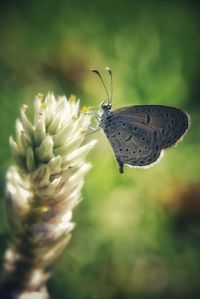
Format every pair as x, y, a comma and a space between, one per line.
169, 127
148, 119
129, 138
155, 135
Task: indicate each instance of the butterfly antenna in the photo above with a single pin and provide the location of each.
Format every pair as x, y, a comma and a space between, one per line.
97, 72
111, 83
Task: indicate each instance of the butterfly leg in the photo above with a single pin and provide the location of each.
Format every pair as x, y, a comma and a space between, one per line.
94, 130
121, 165
95, 114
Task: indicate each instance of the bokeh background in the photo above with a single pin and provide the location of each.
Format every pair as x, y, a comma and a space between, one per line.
137, 234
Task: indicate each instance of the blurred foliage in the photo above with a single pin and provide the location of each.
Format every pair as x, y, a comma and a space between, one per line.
137, 235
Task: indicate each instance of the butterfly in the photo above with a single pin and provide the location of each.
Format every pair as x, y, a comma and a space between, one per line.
139, 134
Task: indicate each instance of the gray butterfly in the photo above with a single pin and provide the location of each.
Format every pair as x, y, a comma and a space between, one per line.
139, 134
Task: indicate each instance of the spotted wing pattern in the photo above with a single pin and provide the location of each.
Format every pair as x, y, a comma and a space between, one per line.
139, 133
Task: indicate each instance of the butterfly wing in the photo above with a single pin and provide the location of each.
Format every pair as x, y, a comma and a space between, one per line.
169, 123
139, 133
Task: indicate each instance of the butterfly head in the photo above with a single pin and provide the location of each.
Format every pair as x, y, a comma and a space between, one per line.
105, 106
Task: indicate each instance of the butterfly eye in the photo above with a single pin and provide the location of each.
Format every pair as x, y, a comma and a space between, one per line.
105, 106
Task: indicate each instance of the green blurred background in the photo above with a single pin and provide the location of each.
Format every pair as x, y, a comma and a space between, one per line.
137, 235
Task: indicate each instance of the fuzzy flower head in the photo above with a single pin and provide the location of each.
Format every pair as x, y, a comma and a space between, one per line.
57, 132
45, 183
